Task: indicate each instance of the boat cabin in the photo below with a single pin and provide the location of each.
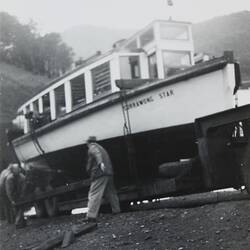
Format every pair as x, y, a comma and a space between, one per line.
155, 52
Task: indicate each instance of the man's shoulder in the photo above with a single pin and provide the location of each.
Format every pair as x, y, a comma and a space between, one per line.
4, 173
94, 147
10, 177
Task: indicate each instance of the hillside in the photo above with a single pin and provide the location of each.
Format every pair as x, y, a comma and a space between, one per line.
214, 36
229, 32
14, 80
16, 86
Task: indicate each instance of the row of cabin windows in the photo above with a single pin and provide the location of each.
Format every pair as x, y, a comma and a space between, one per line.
130, 67
101, 85
60, 101
101, 80
78, 90
167, 32
173, 32
172, 62
175, 61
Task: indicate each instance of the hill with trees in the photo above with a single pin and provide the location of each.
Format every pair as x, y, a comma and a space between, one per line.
231, 32
23, 46
16, 86
27, 61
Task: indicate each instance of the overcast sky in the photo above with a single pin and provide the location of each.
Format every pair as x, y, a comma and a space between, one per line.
59, 15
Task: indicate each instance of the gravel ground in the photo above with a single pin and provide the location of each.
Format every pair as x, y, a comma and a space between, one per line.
220, 226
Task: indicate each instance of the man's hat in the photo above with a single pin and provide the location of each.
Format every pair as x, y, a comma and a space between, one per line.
14, 167
91, 139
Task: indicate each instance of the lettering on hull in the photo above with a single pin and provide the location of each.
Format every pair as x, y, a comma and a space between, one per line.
162, 95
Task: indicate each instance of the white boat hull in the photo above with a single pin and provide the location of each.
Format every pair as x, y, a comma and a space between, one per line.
165, 106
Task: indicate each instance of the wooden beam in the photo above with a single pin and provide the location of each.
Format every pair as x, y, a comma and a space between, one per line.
68, 96
52, 100
193, 200
78, 230
55, 192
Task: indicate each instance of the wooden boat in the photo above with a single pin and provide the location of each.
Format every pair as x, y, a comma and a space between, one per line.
146, 88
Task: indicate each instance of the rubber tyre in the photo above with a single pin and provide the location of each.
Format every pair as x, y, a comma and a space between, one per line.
51, 207
173, 169
51, 204
64, 213
40, 209
125, 206
246, 177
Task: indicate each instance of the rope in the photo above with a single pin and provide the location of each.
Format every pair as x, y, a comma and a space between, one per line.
127, 133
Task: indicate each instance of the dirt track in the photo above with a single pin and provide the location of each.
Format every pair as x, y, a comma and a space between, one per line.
221, 226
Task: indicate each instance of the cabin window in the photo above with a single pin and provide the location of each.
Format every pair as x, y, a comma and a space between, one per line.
174, 32
152, 63
147, 37
60, 101
130, 67
27, 109
132, 45
175, 61
78, 90
46, 107
101, 79
36, 106
19, 121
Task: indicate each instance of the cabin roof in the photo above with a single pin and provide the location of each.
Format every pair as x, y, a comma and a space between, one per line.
151, 24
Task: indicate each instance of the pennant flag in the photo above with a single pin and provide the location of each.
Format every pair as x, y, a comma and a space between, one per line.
170, 3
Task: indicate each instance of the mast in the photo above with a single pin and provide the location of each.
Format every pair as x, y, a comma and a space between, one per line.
170, 5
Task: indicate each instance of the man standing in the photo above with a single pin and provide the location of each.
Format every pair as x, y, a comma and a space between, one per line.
12, 186
99, 167
5, 206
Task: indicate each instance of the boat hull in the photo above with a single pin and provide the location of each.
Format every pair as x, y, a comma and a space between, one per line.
158, 106
147, 150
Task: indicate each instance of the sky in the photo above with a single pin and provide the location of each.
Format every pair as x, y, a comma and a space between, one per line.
60, 15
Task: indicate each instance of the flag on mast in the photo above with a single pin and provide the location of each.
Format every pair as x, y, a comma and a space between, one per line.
170, 3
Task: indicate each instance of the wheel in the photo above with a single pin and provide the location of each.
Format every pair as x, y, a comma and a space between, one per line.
51, 204
125, 205
65, 212
40, 209
246, 177
173, 169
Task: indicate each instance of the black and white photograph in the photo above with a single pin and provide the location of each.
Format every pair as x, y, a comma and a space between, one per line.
125, 124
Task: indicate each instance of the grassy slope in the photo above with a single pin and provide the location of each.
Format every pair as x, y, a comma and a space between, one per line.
16, 86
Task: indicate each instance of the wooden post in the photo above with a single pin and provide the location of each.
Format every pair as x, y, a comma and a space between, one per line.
193, 200
31, 106
68, 96
88, 86
52, 100
114, 72
26, 122
40, 105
